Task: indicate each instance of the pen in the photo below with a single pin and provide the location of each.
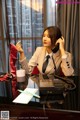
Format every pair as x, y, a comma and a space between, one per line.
19, 42
29, 93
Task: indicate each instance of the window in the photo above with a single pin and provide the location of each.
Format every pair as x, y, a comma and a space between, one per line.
26, 21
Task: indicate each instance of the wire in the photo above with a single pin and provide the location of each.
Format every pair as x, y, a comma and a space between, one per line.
68, 81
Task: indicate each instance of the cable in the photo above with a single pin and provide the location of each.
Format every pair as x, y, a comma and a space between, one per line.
68, 81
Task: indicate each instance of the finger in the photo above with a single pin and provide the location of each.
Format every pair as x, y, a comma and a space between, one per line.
59, 40
62, 38
18, 47
18, 44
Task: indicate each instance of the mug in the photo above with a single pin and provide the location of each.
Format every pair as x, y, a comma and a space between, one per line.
20, 74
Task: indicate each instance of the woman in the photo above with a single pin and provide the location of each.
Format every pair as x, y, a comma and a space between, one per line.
57, 59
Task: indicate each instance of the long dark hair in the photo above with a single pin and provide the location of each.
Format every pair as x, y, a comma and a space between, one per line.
54, 33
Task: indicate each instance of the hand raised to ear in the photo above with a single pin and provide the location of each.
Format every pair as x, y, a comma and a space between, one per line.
20, 50
61, 45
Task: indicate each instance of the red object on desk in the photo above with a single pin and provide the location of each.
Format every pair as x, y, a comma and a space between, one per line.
35, 71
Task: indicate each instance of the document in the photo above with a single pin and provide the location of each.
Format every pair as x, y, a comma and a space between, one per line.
26, 96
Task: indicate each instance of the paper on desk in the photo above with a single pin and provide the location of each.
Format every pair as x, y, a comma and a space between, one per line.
25, 98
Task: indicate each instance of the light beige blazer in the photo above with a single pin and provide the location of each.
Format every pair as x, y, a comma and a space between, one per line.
38, 59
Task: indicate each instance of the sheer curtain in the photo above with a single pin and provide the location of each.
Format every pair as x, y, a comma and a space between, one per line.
22, 20
2, 43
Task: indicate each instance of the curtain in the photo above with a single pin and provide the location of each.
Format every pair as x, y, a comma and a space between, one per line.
68, 19
2, 44
22, 21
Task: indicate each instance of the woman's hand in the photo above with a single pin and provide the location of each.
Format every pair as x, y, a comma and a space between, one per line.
61, 45
19, 48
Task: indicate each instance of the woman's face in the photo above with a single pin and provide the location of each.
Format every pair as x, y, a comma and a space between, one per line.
46, 39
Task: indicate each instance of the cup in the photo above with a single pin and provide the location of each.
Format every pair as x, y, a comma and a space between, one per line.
20, 74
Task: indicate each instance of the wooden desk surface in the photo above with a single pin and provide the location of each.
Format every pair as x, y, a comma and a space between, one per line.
70, 110
36, 111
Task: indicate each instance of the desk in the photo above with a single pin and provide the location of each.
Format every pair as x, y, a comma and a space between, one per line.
35, 111
70, 110
72, 99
